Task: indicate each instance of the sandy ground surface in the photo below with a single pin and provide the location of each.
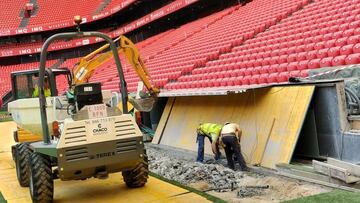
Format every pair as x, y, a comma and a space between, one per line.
279, 190
218, 180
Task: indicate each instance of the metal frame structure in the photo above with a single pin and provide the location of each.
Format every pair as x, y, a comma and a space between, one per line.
42, 99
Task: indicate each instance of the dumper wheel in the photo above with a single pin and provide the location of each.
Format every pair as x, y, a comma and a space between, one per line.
22, 154
41, 178
137, 177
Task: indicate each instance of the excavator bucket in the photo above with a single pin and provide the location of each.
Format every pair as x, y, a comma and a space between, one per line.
143, 104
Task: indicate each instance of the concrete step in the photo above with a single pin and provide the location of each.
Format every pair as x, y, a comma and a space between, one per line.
335, 171
354, 122
307, 173
353, 132
354, 169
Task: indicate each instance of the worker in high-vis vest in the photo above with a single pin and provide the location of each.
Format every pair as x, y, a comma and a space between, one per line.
47, 90
230, 138
212, 132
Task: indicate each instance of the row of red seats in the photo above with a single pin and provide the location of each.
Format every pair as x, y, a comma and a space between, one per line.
226, 81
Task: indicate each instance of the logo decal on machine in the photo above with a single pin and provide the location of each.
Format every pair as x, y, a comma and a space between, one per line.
99, 130
106, 154
102, 155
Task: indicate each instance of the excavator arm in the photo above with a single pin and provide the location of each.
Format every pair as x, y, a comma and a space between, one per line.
83, 70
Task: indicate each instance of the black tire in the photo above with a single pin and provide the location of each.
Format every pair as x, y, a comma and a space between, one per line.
41, 178
137, 177
22, 154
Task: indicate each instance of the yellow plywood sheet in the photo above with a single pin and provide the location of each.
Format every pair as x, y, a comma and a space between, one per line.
112, 189
271, 120
163, 120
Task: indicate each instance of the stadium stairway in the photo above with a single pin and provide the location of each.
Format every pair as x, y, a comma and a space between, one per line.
25, 20
102, 6
62, 10
12, 12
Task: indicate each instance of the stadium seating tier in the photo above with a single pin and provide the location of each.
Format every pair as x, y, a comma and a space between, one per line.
263, 42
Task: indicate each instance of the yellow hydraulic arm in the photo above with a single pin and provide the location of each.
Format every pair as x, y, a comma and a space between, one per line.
87, 65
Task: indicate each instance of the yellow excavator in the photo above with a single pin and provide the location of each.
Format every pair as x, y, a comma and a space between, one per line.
83, 70
88, 64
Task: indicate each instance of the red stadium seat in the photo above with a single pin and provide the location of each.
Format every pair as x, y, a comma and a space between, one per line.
326, 62
334, 51
338, 61
352, 59
272, 78
341, 41
283, 77
353, 39
346, 50
314, 63
356, 48
303, 65
292, 66
322, 53
311, 55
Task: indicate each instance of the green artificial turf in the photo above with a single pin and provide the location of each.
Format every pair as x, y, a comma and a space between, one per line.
2, 199
4, 116
337, 196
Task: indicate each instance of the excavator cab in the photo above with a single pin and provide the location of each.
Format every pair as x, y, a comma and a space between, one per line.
24, 83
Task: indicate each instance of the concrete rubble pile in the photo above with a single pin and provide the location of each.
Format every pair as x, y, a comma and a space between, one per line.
188, 171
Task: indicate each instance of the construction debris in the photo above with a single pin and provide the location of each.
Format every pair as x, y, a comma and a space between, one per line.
218, 180
248, 192
187, 172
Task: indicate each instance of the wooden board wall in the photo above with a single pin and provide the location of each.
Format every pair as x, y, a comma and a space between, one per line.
271, 120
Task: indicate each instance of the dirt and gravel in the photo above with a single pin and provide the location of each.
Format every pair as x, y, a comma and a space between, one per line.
220, 181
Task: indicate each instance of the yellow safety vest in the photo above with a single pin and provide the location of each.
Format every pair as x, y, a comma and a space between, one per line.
36, 92
211, 130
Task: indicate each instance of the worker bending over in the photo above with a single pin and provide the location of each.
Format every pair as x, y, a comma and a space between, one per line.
230, 137
212, 132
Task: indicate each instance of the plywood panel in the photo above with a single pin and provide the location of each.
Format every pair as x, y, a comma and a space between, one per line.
271, 120
163, 121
